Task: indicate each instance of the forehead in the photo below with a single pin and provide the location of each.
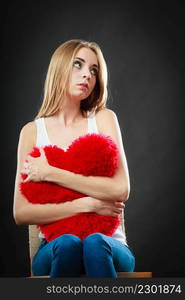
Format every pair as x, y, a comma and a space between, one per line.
88, 55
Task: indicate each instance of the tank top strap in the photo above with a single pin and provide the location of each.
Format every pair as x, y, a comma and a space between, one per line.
42, 137
92, 126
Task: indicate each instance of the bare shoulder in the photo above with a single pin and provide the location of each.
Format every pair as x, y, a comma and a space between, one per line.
105, 112
27, 139
28, 133
28, 127
105, 117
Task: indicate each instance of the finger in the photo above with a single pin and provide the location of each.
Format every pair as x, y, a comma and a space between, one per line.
120, 201
118, 204
118, 211
42, 152
29, 158
26, 164
115, 214
118, 214
121, 205
28, 178
24, 171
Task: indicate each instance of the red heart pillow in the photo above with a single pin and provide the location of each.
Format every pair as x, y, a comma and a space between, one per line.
91, 154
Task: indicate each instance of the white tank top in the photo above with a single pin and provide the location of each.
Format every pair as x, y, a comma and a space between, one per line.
43, 140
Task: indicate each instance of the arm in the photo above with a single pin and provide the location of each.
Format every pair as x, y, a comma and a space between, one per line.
28, 213
105, 188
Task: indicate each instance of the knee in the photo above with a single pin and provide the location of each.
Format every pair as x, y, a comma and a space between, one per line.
95, 244
67, 243
94, 239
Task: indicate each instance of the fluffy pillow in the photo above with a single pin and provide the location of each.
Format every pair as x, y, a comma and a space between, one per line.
89, 155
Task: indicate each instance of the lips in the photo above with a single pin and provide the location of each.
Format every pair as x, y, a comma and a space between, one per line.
85, 85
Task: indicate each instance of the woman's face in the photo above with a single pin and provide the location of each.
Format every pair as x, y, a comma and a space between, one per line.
84, 74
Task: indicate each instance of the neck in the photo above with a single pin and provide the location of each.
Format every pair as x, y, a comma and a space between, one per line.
69, 113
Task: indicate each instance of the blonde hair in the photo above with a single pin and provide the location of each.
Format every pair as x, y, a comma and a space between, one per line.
58, 76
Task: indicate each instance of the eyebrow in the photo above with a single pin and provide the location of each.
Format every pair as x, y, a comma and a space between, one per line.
84, 61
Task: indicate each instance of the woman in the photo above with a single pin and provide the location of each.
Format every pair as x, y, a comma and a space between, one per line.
75, 104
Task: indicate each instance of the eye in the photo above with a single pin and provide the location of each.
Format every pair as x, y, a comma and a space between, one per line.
77, 63
94, 71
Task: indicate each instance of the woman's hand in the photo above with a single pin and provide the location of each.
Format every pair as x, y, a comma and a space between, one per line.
36, 167
101, 207
108, 208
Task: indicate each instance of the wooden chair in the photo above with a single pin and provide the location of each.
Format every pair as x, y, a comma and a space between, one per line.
34, 242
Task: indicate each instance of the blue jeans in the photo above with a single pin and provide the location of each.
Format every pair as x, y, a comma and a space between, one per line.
98, 255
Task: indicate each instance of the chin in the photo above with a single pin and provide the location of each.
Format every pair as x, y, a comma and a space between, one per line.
79, 97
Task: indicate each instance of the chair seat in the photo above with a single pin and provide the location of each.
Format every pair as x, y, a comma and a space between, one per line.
120, 274
135, 274
34, 242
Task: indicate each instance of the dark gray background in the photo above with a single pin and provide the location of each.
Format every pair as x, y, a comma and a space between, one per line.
143, 44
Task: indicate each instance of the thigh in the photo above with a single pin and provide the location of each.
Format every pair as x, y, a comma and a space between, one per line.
41, 264
50, 253
122, 255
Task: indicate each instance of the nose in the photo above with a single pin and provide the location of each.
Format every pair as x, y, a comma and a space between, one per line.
86, 73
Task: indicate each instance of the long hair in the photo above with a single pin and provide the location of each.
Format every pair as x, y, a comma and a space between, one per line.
58, 76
